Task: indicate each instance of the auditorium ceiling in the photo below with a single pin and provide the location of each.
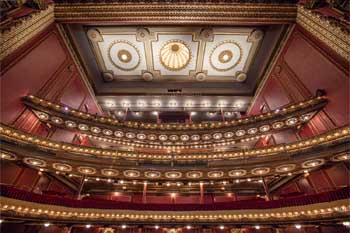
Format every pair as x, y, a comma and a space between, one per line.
175, 68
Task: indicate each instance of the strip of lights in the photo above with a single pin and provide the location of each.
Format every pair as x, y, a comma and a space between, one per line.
324, 139
37, 102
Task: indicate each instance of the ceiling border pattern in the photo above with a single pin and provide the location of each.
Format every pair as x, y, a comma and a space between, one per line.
184, 13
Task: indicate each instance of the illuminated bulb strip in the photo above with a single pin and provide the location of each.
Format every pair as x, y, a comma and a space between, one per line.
335, 208
137, 125
21, 137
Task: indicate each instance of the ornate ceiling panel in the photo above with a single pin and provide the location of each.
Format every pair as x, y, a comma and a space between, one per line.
174, 53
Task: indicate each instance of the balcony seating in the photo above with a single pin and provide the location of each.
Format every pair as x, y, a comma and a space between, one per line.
10, 192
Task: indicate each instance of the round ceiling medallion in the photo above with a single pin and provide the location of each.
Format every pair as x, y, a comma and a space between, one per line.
56, 120
228, 135
95, 129
119, 134
83, 127
87, 170
305, 117
240, 132
225, 56
264, 128
184, 137
260, 171
62, 167
285, 168
175, 55
277, 125
152, 174
252, 131
152, 137
130, 135
107, 132
292, 121
43, 116
206, 136
7, 156
194, 174
71, 124
313, 163
341, 157
163, 137
217, 136
141, 136
35, 162
173, 174
237, 173
131, 173
109, 172
215, 174
195, 137
124, 55
174, 137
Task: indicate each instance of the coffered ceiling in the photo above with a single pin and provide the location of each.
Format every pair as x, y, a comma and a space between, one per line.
177, 64
181, 54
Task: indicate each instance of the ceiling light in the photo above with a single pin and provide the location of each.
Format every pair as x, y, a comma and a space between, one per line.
257, 227
123, 226
297, 226
346, 223
193, 113
47, 224
155, 113
188, 227
156, 226
222, 227
88, 226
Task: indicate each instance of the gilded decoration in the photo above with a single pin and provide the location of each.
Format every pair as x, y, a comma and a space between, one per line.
14, 207
175, 55
328, 30
121, 53
229, 54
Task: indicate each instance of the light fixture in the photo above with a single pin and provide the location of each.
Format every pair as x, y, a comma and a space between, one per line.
173, 195
193, 113
222, 227
47, 224
346, 223
123, 226
1, 221
297, 226
88, 226
257, 227
156, 227
188, 227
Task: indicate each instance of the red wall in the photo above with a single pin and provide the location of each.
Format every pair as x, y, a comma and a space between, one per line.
304, 66
42, 67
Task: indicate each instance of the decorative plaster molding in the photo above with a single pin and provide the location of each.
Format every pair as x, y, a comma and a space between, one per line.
328, 30
184, 13
11, 39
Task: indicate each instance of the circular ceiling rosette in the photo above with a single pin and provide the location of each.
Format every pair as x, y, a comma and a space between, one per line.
124, 55
175, 55
225, 56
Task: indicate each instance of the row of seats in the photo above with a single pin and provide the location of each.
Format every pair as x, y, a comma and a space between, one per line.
11, 192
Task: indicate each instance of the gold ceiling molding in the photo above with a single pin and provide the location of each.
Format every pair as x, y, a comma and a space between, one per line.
24, 209
14, 37
337, 136
124, 55
188, 13
329, 31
